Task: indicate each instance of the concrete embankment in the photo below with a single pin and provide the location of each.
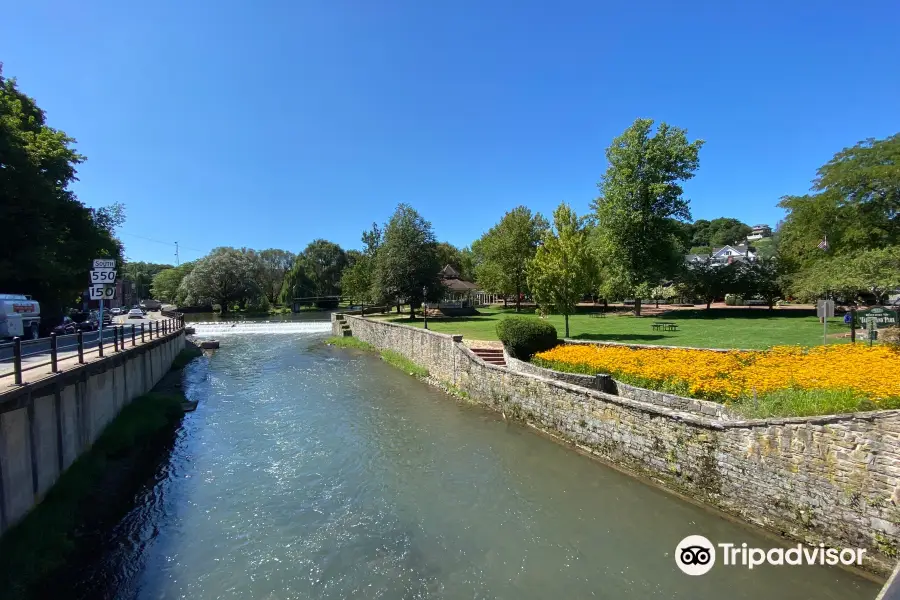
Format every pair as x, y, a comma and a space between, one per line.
46, 424
831, 479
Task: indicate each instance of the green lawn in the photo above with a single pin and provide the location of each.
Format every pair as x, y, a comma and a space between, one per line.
722, 328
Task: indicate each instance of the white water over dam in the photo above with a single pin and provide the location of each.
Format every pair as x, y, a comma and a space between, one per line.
216, 328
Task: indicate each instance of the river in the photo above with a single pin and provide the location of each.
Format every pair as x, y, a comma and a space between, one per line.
313, 472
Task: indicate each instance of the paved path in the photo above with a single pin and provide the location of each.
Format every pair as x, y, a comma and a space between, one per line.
36, 353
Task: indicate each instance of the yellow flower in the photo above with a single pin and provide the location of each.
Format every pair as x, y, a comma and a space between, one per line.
872, 373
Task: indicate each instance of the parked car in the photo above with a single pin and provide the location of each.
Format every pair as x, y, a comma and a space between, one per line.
135, 313
66, 327
90, 324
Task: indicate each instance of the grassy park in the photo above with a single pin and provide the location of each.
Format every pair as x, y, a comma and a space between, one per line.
756, 328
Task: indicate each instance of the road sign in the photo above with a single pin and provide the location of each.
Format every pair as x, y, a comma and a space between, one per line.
104, 263
100, 291
825, 308
103, 276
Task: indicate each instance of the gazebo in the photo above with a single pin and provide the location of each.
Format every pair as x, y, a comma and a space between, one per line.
458, 294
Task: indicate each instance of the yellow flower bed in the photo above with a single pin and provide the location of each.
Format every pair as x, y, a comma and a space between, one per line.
872, 373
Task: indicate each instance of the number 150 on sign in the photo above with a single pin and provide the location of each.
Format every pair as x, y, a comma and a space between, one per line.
102, 292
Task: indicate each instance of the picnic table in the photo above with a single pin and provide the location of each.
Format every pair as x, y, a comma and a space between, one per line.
665, 326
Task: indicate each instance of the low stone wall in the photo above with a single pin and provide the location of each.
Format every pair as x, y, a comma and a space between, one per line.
47, 424
605, 383
651, 346
832, 479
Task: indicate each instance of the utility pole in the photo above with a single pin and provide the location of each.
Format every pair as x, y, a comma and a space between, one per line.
177, 260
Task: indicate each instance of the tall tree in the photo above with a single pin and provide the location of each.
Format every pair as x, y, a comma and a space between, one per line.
49, 237
273, 266
855, 203
561, 270
317, 270
507, 247
407, 260
726, 231
141, 274
166, 283
223, 277
640, 194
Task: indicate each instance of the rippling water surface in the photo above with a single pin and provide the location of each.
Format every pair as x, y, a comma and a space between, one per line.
311, 472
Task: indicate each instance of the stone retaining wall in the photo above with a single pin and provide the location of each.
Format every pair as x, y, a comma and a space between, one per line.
46, 425
613, 386
832, 479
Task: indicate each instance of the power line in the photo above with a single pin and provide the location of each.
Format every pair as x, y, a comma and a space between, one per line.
176, 244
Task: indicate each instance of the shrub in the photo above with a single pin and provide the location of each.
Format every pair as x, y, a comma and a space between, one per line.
522, 337
734, 300
891, 337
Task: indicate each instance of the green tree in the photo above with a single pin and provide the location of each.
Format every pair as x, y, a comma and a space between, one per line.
224, 277
49, 237
316, 271
561, 271
875, 272
166, 283
726, 231
763, 278
855, 202
507, 248
141, 274
273, 266
640, 196
707, 281
407, 260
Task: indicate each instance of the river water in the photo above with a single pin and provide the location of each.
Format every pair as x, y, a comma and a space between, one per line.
314, 472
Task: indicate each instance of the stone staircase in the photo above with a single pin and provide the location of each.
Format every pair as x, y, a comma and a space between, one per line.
493, 356
345, 327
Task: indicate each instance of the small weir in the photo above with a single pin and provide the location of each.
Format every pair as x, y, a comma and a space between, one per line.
268, 327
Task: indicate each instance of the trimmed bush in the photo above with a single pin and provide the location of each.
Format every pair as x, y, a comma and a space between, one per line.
523, 337
734, 300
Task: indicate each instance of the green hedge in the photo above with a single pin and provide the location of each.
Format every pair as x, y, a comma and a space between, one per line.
523, 337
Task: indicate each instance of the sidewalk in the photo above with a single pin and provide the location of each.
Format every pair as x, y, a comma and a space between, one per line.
67, 360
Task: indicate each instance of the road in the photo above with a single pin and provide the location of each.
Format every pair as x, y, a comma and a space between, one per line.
36, 352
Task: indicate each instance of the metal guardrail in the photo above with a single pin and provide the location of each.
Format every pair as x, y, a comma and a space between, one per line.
20, 354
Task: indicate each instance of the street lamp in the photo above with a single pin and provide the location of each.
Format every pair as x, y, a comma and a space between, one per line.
424, 308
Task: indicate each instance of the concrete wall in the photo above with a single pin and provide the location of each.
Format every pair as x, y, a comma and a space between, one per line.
832, 479
46, 425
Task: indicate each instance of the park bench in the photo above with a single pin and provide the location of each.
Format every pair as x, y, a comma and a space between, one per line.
597, 315
665, 326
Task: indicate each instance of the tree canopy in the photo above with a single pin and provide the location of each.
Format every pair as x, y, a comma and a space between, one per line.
142, 274
506, 250
640, 197
316, 271
166, 285
224, 277
407, 260
855, 202
49, 237
273, 265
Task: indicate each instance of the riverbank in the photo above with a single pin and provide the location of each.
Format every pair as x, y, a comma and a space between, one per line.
831, 479
389, 356
93, 490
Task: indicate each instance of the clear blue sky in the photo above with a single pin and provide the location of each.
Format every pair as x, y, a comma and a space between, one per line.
269, 124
